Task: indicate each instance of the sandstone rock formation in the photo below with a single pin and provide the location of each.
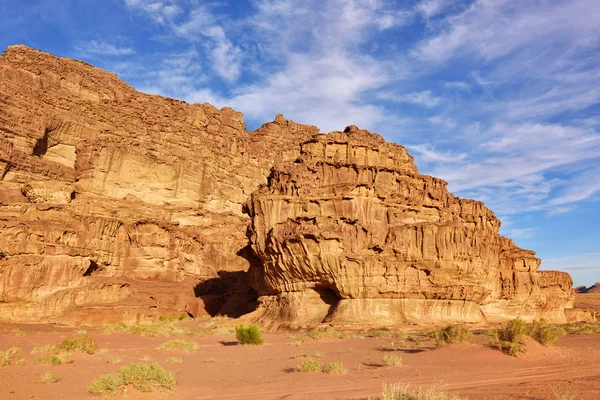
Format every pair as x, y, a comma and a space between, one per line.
352, 233
117, 205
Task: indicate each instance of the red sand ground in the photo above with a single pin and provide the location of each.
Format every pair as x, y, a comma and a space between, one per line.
267, 371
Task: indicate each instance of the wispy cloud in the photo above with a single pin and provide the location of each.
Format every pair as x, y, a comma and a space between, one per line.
424, 98
102, 48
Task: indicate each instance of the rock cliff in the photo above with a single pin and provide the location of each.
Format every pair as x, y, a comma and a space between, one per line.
117, 205
352, 233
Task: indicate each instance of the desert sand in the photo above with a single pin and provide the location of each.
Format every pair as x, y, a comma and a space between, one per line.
223, 369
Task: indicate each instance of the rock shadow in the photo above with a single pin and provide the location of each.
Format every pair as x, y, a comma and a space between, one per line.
230, 294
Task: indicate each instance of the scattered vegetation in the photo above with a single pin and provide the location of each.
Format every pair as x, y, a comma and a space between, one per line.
21, 361
401, 392
210, 360
62, 357
174, 360
249, 335
6, 356
310, 365
49, 377
547, 335
452, 334
166, 326
298, 342
382, 334
143, 377
316, 335
81, 343
179, 344
391, 360
511, 338
561, 393
583, 329
335, 368
18, 332
113, 359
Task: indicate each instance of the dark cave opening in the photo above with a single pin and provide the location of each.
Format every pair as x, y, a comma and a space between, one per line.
92, 268
41, 146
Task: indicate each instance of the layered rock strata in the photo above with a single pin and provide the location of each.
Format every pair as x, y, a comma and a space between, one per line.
351, 232
116, 204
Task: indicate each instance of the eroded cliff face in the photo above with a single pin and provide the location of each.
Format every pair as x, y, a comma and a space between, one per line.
352, 233
115, 204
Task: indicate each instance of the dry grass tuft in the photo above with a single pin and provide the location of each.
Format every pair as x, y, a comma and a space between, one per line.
49, 377
335, 368
391, 360
81, 343
143, 377
174, 360
561, 393
310, 365
401, 392
179, 344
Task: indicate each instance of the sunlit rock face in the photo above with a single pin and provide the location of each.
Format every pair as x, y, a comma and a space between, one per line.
115, 204
352, 233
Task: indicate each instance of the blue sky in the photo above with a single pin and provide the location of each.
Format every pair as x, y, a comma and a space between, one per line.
501, 98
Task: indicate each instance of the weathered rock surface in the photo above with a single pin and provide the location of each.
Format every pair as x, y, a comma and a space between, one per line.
352, 233
115, 204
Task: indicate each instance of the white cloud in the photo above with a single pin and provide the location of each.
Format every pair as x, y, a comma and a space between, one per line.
431, 8
100, 47
458, 85
430, 154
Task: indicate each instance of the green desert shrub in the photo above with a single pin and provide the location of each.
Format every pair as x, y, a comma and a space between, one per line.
310, 365
452, 334
547, 335
82, 343
248, 335
179, 344
143, 377
511, 338
335, 368
583, 329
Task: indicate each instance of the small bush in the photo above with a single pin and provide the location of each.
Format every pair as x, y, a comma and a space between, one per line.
310, 365
82, 343
545, 334
113, 359
210, 360
335, 368
21, 361
49, 377
583, 329
382, 334
511, 338
390, 346
391, 360
63, 357
6, 356
401, 392
179, 344
316, 335
452, 334
143, 377
249, 335
174, 360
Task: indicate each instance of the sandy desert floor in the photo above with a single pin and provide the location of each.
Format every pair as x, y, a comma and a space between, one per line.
222, 369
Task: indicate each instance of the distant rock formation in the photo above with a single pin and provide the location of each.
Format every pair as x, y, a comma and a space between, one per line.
117, 205
352, 233
592, 289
